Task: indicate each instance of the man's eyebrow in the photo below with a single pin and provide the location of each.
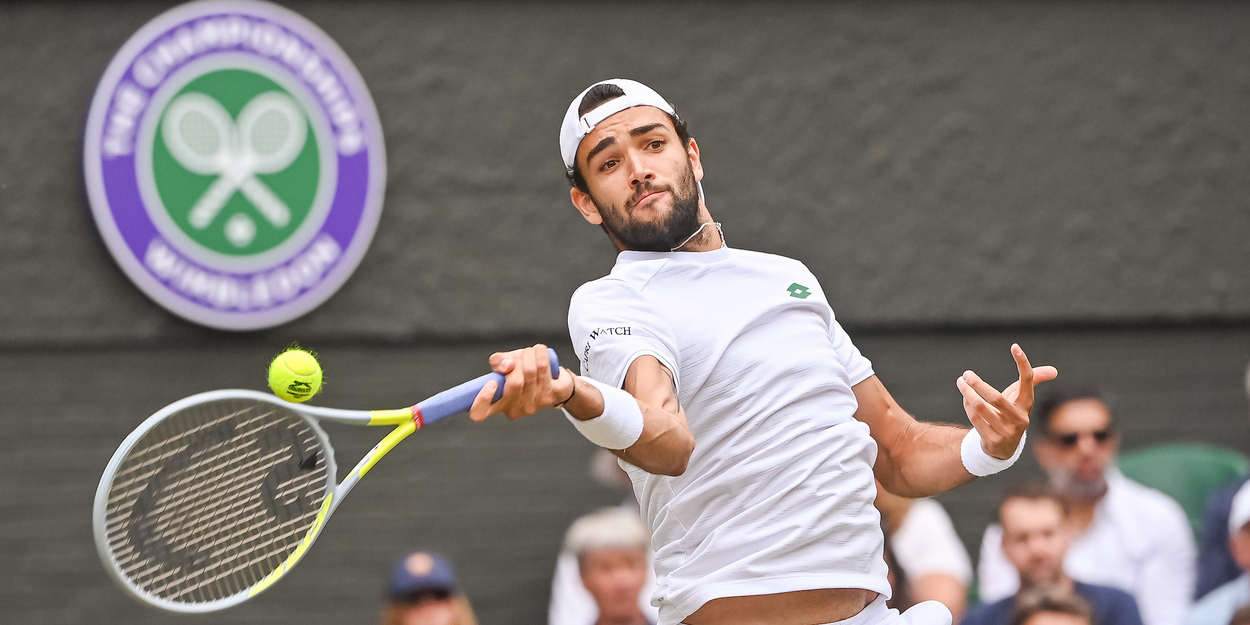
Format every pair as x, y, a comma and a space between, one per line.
608, 141
642, 130
601, 146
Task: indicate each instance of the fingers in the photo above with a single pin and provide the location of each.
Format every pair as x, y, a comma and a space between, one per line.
1000, 430
502, 362
980, 413
1001, 418
1024, 396
1044, 373
533, 386
527, 386
987, 392
481, 407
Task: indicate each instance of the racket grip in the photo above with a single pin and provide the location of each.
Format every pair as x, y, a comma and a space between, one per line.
460, 398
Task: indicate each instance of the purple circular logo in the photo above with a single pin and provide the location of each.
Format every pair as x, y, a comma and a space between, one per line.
234, 163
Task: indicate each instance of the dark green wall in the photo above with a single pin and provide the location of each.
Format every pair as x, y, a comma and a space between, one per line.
933, 163
1072, 176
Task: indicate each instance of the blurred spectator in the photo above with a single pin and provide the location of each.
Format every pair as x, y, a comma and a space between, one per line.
423, 592
1220, 604
1241, 617
1034, 542
927, 550
1216, 565
899, 599
1123, 534
571, 603
611, 551
1050, 606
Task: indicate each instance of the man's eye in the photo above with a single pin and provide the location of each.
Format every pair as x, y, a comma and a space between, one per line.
657, 144
608, 164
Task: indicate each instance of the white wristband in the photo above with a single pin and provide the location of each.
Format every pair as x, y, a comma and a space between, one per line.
619, 426
981, 464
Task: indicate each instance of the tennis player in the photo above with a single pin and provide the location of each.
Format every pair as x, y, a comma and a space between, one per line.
749, 423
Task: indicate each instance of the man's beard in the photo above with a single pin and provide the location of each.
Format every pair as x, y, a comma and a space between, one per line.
1051, 579
1069, 486
656, 236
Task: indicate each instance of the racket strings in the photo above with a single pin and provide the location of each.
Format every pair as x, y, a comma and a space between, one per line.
271, 133
214, 499
199, 134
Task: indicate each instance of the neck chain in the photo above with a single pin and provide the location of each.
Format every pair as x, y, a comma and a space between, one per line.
696, 233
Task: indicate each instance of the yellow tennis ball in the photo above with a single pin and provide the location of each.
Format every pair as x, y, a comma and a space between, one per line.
295, 375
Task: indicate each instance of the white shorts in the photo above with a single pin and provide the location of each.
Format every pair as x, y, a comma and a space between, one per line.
923, 613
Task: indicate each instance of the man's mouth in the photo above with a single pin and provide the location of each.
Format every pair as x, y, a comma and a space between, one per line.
647, 196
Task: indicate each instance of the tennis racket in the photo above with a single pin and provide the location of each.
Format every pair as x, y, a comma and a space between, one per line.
218, 495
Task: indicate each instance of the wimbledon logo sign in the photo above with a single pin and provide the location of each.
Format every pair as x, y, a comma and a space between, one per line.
234, 163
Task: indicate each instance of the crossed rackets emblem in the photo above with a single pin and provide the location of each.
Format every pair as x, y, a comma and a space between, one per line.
267, 137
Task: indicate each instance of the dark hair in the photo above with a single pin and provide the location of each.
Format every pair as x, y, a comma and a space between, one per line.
1033, 491
1031, 602
1052, 401
1241, 616
597, 95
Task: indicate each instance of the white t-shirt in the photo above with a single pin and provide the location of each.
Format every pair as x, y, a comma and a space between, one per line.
778, 494
926, 544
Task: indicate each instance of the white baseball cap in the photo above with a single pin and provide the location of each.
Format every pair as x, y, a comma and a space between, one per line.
574, 129
1240, 513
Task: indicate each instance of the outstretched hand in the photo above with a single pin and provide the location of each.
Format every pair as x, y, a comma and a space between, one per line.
1002, 418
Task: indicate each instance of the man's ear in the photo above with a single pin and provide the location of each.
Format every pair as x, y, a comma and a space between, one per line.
585, 206
696, 164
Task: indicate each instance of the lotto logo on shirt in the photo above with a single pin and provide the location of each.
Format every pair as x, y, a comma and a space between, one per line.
798, 291
234, 163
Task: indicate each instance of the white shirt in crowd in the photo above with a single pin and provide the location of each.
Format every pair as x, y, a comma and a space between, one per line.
778, 494
1139, 541
926, 544
1219, 605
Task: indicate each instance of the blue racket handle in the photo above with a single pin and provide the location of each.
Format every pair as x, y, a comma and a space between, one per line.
460, 398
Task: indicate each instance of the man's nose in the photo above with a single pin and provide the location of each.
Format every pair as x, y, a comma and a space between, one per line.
1087, 445
639, 169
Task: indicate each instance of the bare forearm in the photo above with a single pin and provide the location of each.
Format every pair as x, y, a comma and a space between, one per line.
923, 460
914, 458
665, 445
662, 443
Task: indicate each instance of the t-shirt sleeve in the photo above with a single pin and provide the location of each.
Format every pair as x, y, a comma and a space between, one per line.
858, 368
612, 324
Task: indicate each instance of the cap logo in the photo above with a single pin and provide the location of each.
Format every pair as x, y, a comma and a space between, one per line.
234, 163
419, 564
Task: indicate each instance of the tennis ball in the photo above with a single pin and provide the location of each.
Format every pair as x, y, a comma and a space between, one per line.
295, 375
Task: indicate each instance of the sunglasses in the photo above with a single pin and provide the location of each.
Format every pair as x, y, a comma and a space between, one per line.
1070, 439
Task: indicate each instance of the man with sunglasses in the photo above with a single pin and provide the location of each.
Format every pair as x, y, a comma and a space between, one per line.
1123, 534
